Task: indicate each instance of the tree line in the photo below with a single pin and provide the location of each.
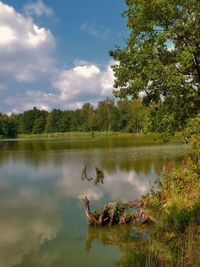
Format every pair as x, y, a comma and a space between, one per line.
130, 116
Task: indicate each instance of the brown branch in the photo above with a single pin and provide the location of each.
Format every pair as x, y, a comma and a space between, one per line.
84, 176
132, 204
112, 214
104, 216
142, 216
125, 218
90, 216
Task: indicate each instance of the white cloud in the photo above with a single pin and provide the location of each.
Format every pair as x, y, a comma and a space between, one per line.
86, 71
25, 48
83, 83
7, 35
107, 81
26, 56
38, 8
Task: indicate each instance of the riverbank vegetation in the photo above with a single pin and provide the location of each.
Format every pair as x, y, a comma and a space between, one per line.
161, 61
169, 213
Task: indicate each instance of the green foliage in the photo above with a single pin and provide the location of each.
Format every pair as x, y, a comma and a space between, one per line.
54, 121
132, 116
179, 217
119, 209
129, 116
191, 133
169, 78
8, 125
32, 121
176, 196
40, 123
88, 117
106, 116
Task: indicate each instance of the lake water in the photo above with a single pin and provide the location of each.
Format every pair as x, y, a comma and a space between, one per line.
42, 221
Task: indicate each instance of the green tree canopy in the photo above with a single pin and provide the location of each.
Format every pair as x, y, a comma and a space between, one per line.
88, 117
106, 115
161, 58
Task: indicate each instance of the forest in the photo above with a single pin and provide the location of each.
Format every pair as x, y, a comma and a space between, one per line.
129, 116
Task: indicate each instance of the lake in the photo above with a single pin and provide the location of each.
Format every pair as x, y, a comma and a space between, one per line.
42, 220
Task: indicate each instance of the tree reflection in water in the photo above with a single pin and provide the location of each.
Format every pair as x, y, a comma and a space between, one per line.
141, 248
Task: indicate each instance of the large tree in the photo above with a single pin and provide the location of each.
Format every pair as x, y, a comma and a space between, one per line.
161, 58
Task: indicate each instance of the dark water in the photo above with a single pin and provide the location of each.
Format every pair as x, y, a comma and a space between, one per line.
42, 221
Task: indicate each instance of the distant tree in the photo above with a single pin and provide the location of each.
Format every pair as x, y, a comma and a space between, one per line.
132, 115
8, 125
40, 122
124, 114
54, 121
27, 119
76, 121
65, 121
88, 116
105, 115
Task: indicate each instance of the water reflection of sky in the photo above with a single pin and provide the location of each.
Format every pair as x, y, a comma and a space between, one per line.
36, 181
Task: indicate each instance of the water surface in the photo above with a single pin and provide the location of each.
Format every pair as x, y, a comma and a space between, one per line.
42, 221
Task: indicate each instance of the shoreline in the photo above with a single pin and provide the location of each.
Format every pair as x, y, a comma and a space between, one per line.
154, 137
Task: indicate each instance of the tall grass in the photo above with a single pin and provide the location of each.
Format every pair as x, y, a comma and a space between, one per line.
153, 136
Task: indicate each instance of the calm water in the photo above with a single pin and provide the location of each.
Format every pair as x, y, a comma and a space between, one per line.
42, 221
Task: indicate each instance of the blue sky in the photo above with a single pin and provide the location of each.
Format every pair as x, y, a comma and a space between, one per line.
54, 54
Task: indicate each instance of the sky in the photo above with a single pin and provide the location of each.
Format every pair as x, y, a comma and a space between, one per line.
55, 54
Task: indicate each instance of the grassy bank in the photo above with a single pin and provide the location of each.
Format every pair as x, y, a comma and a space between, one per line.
152, 136
70, 134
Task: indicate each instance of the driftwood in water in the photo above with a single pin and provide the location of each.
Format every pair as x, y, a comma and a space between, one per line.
142, 216
84, 176
115, 213
102, 218
98, 173
99, 176
90, 216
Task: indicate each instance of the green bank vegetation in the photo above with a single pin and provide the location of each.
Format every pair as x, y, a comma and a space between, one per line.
161, 61
169, 213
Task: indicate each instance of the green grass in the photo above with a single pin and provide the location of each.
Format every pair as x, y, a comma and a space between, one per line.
66, 135
155, 137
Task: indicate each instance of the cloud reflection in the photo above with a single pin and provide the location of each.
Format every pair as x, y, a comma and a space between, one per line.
27, 220
119, 185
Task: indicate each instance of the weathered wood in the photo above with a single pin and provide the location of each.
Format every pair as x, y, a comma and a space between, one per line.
141, 216
108, 215
84, 176
104, 217
99, 176
125, 218
112, 213
132, 204
90, 216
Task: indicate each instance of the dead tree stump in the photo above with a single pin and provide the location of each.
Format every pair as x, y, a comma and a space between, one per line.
109, 214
